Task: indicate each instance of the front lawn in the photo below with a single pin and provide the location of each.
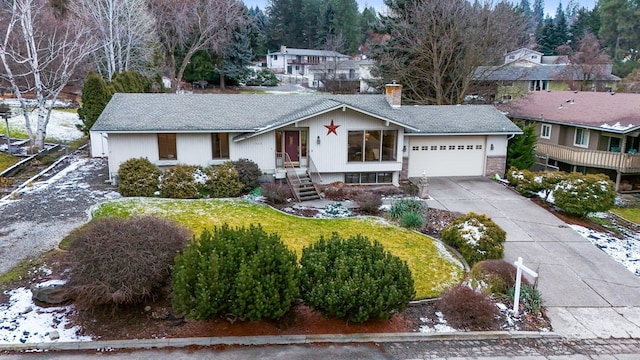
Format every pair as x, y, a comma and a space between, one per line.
631, 213
7, 161
434, 269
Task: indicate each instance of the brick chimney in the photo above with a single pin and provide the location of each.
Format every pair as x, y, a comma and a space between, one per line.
393, 92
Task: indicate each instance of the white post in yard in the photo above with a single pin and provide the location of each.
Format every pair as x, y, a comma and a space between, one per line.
516, 295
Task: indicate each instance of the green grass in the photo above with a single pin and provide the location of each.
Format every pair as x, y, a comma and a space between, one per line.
631, 213
7, 160
26, 269
433, 270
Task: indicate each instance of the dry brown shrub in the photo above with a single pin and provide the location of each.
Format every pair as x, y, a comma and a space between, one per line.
496, 276
467, 309
117, 261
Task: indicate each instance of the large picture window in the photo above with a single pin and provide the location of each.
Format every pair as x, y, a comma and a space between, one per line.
220, 145
167, 147
372, 145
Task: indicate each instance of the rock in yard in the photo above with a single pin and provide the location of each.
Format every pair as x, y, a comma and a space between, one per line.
54, 335
50, 293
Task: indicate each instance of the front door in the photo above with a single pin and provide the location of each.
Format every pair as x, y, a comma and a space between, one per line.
292, 144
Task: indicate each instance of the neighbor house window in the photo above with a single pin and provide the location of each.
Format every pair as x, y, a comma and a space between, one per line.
368, 178
220, 145
582, 138
167, 147
545, 131
372, 145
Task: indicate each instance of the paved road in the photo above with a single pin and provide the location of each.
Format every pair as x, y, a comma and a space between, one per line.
587, 294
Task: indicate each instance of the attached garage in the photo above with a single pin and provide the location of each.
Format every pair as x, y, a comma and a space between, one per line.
447, 155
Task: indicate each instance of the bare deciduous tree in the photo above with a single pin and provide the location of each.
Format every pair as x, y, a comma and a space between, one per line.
435, 46
588, 64
39, 55
188, 26
125, 31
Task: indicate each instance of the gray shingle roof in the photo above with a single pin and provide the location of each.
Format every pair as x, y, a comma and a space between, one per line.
260, 112
539, 72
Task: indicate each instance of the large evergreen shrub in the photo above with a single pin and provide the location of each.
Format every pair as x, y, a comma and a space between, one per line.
354, 279
248, 174
580, 194
521, 149
223, 181
138, 177
476, 237
117, 261
183, 182
243, 271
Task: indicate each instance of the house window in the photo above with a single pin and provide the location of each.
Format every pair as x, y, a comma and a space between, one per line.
220, 145
545, 131
368, 178
614, 144
414, 148
434, 147
373, 145
274, 57
167, 147
452, 147
469, 147
582, 138
443, 147
478, 147
460, 147
538, 85
512, 57
424, 147
534, 56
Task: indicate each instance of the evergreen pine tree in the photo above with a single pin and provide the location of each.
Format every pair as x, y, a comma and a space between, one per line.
237, 56
521, 150
95, 96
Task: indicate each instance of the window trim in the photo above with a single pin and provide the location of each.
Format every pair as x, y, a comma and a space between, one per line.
377, 174
381, 155
216, 143
544, 127
585, 138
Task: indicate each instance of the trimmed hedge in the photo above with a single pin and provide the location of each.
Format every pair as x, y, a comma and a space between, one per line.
467, 309
138, 177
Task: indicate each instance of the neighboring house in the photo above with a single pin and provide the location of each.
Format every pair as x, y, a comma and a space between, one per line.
356, 139
526, 70
591, 132
342, 76
297, 61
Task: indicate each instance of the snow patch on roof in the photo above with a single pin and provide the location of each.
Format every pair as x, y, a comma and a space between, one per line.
617, 126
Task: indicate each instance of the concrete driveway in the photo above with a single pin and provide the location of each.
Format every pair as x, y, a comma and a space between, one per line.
587, 294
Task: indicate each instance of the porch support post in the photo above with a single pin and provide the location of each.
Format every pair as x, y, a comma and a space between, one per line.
620, 162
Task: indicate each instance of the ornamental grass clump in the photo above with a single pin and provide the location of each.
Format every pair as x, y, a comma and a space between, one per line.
408, 213
138, 177
476, 237
354, 279
116, 261
240, 272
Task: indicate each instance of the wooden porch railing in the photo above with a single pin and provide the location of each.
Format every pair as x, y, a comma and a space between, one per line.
626, 163
314, 174
292, 176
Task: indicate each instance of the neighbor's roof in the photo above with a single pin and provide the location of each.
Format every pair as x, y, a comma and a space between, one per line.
538, 72
259, 113
613, 112
309, 52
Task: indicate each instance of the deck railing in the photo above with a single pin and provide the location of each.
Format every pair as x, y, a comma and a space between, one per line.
292, 176
626, 163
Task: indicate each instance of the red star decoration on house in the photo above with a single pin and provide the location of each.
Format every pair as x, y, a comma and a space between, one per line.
332, 128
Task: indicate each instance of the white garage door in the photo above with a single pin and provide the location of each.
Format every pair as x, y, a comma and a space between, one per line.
447, 156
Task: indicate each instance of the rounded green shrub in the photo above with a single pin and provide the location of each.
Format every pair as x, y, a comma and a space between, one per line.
138, 177
116, 261
580, 194
223, 181
243, 271
467, 309
183, 182
476, 237
248, 174
354, 279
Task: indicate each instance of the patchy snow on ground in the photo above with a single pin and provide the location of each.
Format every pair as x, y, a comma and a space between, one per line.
22, 321
438, 326
625, 250
61, 126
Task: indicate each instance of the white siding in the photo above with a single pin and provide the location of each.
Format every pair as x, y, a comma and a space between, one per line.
194, 149
99, 144
259, 149
123, 147
499, 143
330, 156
